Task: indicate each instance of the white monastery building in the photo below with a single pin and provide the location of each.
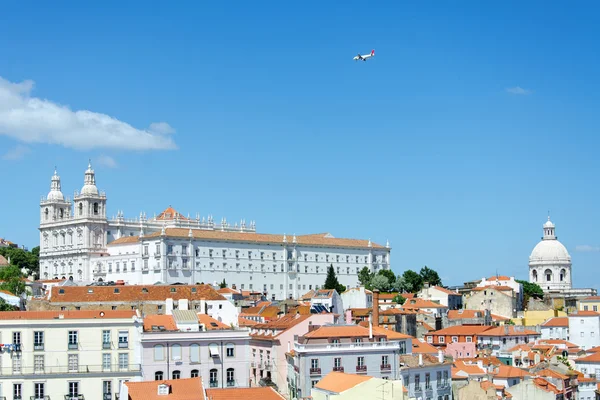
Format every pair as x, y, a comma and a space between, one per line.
79, 242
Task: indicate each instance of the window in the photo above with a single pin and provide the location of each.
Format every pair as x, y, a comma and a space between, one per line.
230, 350
337, 362
194, 373
417, 382
445, 380
38, 340
454, 339
195, 353
213, 378
38, 363
313, 383
469, 339
384, 360
158, 376
16, 337
176, 352
72, 339
360, 362
73, 362
442, 339
73, 390
123, 361
429, 339
427, 381
176, 374
106, 388
38, 390
123, 339
106, 361
159, 352
230, 377
17, 392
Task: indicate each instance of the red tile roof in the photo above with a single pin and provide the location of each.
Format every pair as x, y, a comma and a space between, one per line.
459, 330
557, 322
506, 371
498, 278
423, 347
581, 313
508, 330
338, 382
180, 389
421, 303
252, 393
211, 324
592, 358
170, 214
165, 321
444, 290
79, 314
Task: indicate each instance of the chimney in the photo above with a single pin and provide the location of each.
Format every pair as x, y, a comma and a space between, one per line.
376, 307
420, 359
349, 316
440, 356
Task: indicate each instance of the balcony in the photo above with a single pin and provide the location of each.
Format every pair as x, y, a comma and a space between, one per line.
361, 346
107, 396
38, 346
213, 383
73, 346
230, 383
123, 345
386, 367
106, 345
34, 398
74, 397
338, 369
315, 371
65, 369
361, 368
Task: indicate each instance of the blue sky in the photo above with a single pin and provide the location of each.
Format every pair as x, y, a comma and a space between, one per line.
471, 122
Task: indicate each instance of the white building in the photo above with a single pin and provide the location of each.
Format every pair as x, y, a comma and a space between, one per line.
68, 354
550, 262
448, 298
78, 241
584, 329
555, 328
357, 297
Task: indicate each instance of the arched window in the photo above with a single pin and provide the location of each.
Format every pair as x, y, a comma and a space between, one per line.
195, 373
176, 352
213, 378
534, 275
563, 274
194, 353
548, 274
80, 208
61, 212
95, 208
230, 377
176, 374
158, 376
46, 214
159, 352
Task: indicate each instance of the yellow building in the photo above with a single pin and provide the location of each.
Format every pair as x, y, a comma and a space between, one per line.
533, 318
590, 304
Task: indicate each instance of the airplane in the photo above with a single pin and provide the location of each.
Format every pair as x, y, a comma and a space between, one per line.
365, 57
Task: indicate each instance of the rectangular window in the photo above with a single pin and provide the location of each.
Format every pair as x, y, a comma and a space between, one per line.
230, 351
38, 390
106, 388
314, 363
439, 378
337, 362
16, 337
194, 353
17, 391
73, 363
123, 361
38, 340
417, 382
73, 340
384, 360
73, 389
106, 361
427, 381
442, 339
145, 249
38, 363
16, 363
123, 339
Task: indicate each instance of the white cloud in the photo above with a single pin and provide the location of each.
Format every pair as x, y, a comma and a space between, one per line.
35, 120
518, 90
587, 248
106, 161
16, 153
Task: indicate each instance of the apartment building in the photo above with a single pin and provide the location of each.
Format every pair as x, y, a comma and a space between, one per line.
426, 376
555, 328
68, 354
191, 345
501, 339
352, 349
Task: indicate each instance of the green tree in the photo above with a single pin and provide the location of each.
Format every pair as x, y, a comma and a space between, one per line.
388, 274
364, 277
4, 306
12, 280
381, 283
331, 282
399, 285
399, 299
223, 284
530, 290
23, 258
509, 322
431, 276
412, 281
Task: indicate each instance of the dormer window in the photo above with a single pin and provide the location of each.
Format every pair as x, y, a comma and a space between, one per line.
163, 389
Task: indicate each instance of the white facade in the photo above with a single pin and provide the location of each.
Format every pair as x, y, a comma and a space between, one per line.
445, 297
584, 329
69, 355
551, 329
550, 262
87, 246
357, 297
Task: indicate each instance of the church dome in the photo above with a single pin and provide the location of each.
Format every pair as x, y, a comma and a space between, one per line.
550, 251
89, 188
55, 194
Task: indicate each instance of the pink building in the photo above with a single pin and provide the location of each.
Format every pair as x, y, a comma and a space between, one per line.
269, 342
460, 350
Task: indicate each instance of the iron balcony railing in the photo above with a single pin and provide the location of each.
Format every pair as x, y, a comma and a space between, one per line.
315, 371
66, 369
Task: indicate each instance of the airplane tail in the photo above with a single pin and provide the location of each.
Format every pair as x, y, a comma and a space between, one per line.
372, 52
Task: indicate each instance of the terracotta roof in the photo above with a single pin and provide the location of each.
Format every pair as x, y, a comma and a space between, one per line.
124, 240
265, 312
470, 369
180, 389
252, 393
387, 296
391, 335
557, 321
506, 371
338, 382
592, 358
328, 331
591, 298
593, 350
323, 293
508, 330
3, 261
545, 385
522, 347
427, 327
279, 326
421, 303
461, 330
132, 293
165, 321
324, 240
468, 314
552, 374
211, 324
227, 290
581, 313
444, 290
498, 278
423, 347
246, 322
79, 314
170, 214
493, 287
308, 295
